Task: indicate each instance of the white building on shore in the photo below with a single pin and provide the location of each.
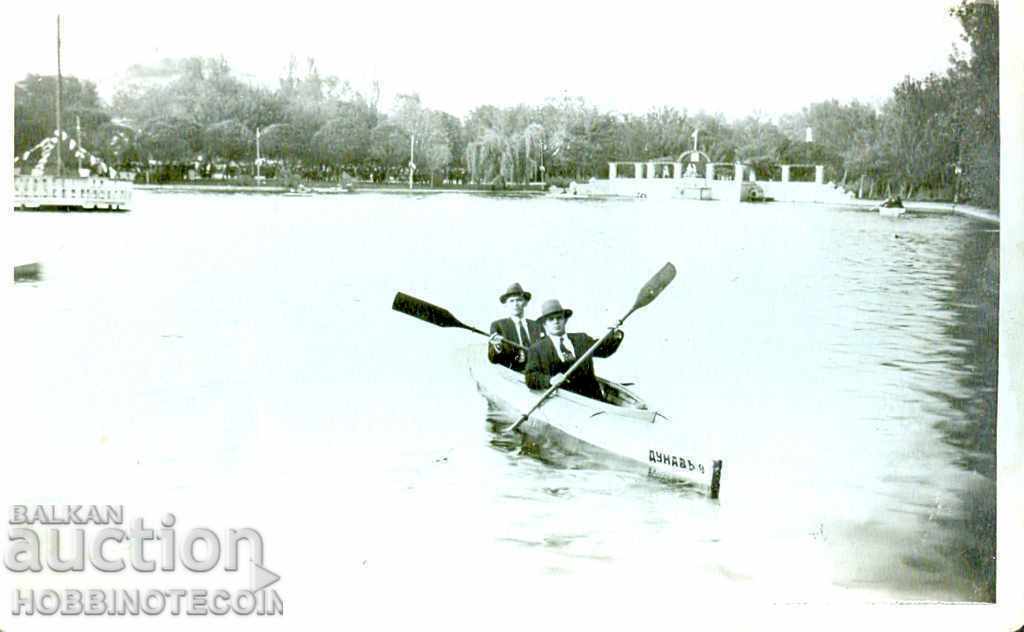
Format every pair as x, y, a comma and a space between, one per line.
693, 175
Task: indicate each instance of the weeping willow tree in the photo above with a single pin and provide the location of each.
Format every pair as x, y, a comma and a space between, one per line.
515, 156
491, 156
471, 159
534, 155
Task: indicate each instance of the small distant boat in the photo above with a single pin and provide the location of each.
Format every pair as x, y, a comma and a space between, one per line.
28, 272
893, 207
621, 431
891, 211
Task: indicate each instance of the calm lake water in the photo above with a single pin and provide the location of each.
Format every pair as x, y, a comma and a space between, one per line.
234, 359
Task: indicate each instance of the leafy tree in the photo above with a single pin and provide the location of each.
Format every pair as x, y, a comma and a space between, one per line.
281, 141
432, 150
170, 139
454, 134
584, 140
837, 128
345, 139
177, 110
116, 143
35, 110
535, 138
230, 140
976, 81
667, 132
917, 134
389, 147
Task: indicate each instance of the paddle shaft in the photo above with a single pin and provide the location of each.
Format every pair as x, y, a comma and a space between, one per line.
648, 293
575, 365
503, 338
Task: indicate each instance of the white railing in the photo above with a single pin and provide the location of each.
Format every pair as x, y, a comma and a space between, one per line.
86, 193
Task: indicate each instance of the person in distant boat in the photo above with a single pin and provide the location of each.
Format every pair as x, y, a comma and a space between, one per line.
893, 202
516, 328
550, 357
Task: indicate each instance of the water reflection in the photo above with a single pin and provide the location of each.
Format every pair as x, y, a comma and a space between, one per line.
842, 365
907, 322
970, 423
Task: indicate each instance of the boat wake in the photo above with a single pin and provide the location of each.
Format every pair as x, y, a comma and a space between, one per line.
541, 450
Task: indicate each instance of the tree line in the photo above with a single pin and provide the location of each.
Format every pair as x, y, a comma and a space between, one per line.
936, 137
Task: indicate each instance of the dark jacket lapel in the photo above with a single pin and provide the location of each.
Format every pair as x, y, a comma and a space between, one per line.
536, 331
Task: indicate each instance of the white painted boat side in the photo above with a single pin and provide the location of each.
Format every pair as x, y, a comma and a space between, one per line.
891, 211
639, 436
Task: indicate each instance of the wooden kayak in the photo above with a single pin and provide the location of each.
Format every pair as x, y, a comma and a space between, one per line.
623, 431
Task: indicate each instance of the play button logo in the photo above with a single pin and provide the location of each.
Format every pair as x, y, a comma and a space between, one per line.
262, 577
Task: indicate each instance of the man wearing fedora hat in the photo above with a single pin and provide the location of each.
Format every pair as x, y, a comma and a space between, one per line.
550, 357
516, 328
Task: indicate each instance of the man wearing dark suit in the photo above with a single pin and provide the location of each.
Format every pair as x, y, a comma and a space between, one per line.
516, 328
549, 358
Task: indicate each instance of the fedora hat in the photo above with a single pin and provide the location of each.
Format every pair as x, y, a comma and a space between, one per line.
552, 307
514, 289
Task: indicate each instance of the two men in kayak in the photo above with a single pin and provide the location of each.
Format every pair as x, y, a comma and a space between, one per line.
550, 352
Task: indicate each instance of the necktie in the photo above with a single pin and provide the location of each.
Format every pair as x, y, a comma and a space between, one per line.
566, 354
523, 336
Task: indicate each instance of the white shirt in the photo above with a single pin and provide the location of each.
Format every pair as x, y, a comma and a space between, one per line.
568, 345
516, 322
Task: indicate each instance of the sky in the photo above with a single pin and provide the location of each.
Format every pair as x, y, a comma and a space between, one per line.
738, 58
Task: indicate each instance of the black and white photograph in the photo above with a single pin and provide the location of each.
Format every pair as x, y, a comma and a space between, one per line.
532, 315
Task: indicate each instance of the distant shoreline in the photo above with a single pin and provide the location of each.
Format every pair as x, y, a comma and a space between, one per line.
333, 189
529, 190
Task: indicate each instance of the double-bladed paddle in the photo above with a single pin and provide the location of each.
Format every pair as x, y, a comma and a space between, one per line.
436, 315
648, 293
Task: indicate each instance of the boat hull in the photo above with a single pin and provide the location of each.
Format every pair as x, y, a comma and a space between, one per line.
628, 435
886, 211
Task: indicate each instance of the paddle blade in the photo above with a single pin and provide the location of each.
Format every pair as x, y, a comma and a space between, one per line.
424, 311
653, 288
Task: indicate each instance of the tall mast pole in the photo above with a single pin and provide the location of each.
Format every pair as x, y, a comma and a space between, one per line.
412, 153
78, 139
60, 133
542, 160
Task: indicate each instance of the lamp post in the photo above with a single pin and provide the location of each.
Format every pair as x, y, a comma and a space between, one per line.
412, 153
78, 152
957, 170
258, 160
542, 160
60, 131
